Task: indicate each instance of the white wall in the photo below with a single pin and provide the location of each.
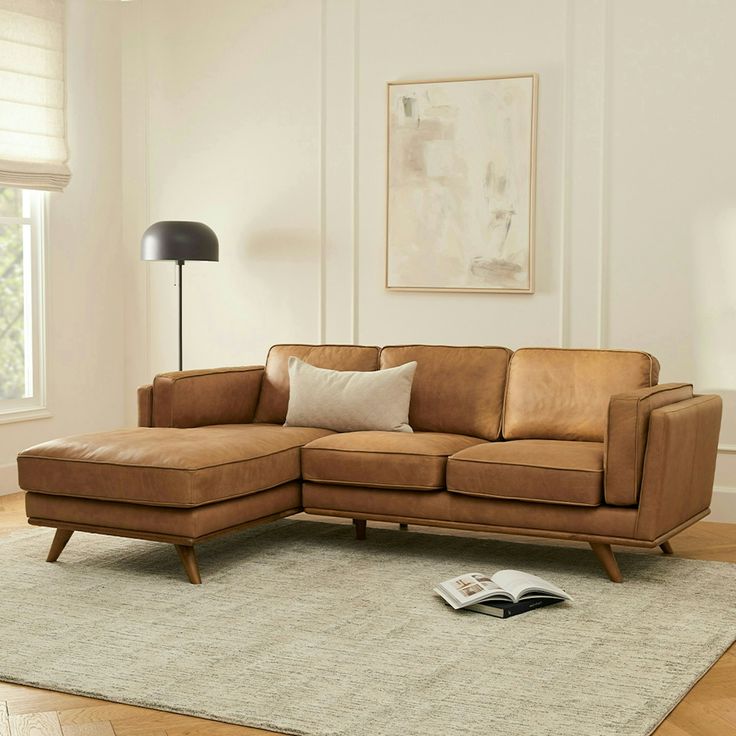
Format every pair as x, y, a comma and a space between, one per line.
419, 39
670, 229
267, 121
225, 97
84, 292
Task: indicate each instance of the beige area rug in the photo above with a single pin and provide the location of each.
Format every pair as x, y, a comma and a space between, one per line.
301, 629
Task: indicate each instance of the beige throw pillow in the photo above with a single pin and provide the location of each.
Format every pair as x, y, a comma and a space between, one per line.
349, 401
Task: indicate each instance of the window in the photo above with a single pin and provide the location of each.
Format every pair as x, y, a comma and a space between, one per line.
22, 379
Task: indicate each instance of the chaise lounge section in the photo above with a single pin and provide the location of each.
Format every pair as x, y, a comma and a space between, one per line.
570, 444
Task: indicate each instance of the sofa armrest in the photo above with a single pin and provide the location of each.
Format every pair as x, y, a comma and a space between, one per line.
680, 465
199, 398
145, 405
626, 437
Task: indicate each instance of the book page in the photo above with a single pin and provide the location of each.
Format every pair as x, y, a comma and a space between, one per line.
520, 584
473, 587
447, 597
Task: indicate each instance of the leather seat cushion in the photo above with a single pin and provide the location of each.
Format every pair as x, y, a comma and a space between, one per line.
546, 471
383, 459
167, 466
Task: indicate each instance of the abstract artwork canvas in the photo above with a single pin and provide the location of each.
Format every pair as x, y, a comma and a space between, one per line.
461, 169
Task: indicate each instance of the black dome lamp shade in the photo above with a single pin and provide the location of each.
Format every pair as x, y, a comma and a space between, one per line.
180, 241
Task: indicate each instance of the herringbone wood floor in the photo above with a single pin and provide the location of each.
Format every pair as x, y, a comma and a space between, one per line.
709, 709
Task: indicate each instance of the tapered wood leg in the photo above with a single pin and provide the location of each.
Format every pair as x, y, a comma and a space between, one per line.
604, 553
403, 527
189, 560
61, 537
360, 528
666, 547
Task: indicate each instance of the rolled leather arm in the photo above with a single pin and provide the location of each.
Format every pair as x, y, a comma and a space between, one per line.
680, 465
199, 398
626, 437
145, 405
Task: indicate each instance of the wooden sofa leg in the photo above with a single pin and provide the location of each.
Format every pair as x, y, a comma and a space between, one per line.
360, 528
403, 527
604, 553
666, 547
61, 537
189, 560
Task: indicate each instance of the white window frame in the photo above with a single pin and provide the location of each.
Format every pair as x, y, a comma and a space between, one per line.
34, 215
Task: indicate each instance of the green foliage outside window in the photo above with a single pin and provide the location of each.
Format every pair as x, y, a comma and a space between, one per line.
12, 333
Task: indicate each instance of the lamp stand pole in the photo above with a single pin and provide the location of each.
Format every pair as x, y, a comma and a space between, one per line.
181, 352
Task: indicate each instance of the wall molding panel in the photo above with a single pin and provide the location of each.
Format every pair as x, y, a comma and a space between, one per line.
355, 310
604, 236
339, 134
135, 155
566, 177
585, 231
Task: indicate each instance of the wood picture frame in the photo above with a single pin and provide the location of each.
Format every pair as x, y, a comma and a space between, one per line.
460, 184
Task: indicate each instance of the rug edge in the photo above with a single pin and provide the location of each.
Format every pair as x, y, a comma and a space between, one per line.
684, 694
206, 716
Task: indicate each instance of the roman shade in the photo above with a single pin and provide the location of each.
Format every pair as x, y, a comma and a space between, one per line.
33, 150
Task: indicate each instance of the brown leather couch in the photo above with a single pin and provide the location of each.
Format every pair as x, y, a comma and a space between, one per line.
572, 444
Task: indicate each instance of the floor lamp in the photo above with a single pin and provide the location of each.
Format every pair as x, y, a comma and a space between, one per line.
180, 241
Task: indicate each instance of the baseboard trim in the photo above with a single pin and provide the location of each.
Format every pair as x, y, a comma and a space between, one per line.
723, 505
8, 479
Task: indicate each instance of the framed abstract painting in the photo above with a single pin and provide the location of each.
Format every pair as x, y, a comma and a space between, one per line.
461, 180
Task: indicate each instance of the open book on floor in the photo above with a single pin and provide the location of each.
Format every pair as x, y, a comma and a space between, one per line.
504, 594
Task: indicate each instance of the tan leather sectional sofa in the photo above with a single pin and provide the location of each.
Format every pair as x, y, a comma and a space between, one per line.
573, 444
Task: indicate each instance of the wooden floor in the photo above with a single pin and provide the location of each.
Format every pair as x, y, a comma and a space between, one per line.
709, 709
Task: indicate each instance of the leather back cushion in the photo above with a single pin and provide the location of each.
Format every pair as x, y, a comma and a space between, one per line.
274, 399
456, 389
563, 394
